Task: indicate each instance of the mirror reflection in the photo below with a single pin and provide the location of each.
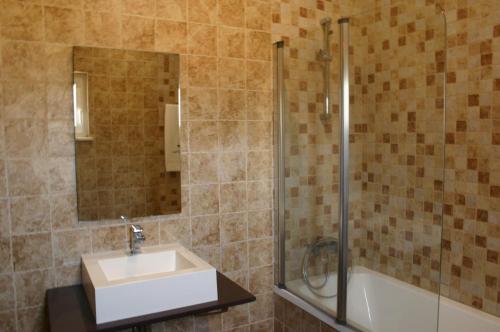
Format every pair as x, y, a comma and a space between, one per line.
127, 123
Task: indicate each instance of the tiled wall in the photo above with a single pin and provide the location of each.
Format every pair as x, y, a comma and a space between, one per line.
397, 121
471, 232
121, 171
226, 145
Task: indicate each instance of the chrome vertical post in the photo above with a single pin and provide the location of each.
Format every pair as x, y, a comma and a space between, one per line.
279, 157
344, 173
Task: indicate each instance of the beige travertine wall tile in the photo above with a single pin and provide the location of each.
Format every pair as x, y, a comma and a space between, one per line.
24, 99
6, 292
232, 167
102, 29
259, 165
256, 45
202, 11
5, 255
138, 7
235, 317
27, 177
68, 275
109, 238
203, 168
21, 21
232, 13
64, 3
61, 174
259, 104
8, 321
262, 308
172, 9
70, 245
234, 256
170, 36
32, 251
260, 252
138, 33
177, 230
202, 104
30, 287
261, 280
232, 135
260, 224
25, 138
202, 71
63, 211
258, 75
23, 60
231, 42
203, 136
202, 39
233, 227
204, 199
231, 73
232, 105
259, 135
30, 214
32, 319
259, 195
208, 323
63, 25
205, 230
258, 15
102, 5
233, 197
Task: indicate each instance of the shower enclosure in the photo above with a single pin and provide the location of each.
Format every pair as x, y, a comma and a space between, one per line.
359, 151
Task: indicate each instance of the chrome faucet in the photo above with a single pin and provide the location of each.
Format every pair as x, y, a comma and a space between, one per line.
136, 237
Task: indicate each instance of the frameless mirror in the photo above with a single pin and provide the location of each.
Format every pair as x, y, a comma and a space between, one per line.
127, 123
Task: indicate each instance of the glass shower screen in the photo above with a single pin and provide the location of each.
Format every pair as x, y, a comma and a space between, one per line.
393, 128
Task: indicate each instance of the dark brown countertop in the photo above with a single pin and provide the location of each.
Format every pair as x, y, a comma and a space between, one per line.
69, 309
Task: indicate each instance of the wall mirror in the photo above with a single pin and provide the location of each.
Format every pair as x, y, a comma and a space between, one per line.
127, 123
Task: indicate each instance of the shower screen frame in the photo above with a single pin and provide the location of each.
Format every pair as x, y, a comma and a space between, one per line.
280, 106
279, 96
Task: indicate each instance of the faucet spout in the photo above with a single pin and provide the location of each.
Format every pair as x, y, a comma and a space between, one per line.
135, 236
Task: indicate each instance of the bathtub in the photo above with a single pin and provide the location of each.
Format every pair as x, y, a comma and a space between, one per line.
378, 303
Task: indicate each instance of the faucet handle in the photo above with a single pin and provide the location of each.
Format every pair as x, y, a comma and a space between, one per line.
136, 228
124, 218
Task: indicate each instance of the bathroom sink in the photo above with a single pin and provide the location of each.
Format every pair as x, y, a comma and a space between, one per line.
119, 285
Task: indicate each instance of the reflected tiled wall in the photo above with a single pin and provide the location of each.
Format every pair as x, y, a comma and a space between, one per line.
121, 171
226, 145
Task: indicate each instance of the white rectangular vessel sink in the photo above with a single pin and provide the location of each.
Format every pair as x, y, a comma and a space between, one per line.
120, 286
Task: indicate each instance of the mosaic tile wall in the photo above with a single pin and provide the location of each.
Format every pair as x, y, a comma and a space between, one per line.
122, 170
226, 141
470, 232
471, 237
398, 63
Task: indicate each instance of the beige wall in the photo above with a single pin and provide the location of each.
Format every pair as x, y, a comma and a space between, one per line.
226, 142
